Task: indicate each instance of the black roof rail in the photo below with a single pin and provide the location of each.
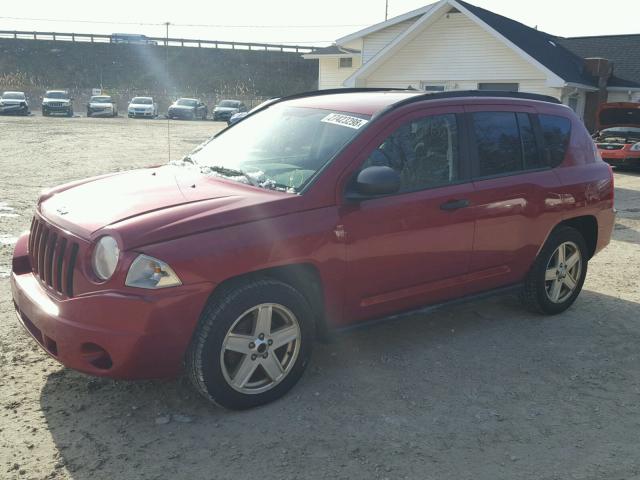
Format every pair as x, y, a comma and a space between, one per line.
488, 93
468, 94
426, 96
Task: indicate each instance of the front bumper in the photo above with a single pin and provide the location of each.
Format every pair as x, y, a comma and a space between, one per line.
57, 109
117, 334
223, 115
621, 158
98, 112
14, 110
182, 114
142, 114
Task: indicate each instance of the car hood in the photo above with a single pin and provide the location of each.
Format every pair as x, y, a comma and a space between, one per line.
140, 105
181, 107
226, 109
618, 115
56, 100
11, 101
100, 104
155, 204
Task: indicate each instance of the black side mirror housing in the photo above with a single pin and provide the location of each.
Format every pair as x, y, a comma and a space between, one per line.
374, 182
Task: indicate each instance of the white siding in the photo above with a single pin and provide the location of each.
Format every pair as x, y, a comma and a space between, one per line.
458, 52
623, 97
331, 75
375, 42
354, 44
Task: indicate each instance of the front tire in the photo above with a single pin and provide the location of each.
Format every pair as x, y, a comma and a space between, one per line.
556, 278
252, 344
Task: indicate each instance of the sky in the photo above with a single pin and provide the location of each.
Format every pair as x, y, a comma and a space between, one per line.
317, 22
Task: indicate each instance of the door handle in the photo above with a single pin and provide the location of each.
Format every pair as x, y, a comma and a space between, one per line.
454, 205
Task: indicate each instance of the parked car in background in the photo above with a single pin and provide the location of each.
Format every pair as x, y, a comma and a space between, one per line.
321, 211
132, 38
14, 103
236, 117
102, 106
57, 102
142, 107
188, 109
618, 135
226, 108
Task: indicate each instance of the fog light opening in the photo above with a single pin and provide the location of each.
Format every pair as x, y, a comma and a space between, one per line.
96, 356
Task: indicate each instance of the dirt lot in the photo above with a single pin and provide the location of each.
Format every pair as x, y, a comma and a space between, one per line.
478, 391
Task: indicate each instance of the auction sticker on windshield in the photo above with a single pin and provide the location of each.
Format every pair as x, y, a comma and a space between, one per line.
344, 120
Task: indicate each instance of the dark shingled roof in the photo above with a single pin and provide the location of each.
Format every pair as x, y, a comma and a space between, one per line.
334, 50
545, 48
622, 50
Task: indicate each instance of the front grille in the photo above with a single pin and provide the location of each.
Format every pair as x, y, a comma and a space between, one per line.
610, 146
53, 256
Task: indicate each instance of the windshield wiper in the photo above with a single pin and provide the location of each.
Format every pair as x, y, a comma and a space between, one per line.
225, 172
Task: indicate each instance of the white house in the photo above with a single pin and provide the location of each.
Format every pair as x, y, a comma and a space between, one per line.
453, 45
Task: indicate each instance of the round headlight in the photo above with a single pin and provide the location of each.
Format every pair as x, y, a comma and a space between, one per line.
105, 257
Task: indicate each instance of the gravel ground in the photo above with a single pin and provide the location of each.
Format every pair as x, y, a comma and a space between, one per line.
483, 390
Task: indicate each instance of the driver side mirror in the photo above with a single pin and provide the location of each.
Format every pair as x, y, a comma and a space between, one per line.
374, 182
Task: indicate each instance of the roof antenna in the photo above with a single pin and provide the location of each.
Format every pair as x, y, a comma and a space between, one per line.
166, 50
386, 10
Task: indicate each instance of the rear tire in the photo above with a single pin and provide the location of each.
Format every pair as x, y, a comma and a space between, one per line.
272, 357
558, 273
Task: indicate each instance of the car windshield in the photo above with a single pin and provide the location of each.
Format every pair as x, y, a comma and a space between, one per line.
102, 99
142, 101
13, 96
229, 103
62, 95
187, 102
620, 132
280, 148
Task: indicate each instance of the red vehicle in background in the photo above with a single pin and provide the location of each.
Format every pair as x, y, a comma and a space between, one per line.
618, 134
316, 212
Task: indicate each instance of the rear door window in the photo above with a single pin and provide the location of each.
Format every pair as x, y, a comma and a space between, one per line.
498, 143
556, 132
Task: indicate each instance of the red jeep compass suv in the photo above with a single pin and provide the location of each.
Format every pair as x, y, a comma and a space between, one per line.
316, 212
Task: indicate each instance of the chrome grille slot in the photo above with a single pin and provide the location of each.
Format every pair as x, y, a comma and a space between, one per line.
53, 256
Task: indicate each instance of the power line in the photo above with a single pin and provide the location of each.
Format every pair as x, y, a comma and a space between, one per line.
201, 25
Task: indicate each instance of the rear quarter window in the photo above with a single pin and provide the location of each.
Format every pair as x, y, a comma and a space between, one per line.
556, 132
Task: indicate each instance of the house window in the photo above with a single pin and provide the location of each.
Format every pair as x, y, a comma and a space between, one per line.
573, 102
499, 87
432, 87
346, 62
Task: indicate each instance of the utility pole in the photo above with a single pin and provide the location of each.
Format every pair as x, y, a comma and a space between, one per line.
386, 10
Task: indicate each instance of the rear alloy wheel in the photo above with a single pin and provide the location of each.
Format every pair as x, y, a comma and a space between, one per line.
563, 271
252, 344
557, 276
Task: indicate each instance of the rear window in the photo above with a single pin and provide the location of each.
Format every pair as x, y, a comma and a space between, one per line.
556, 132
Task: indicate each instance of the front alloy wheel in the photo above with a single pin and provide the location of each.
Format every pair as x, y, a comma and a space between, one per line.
260, 348
252, 344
